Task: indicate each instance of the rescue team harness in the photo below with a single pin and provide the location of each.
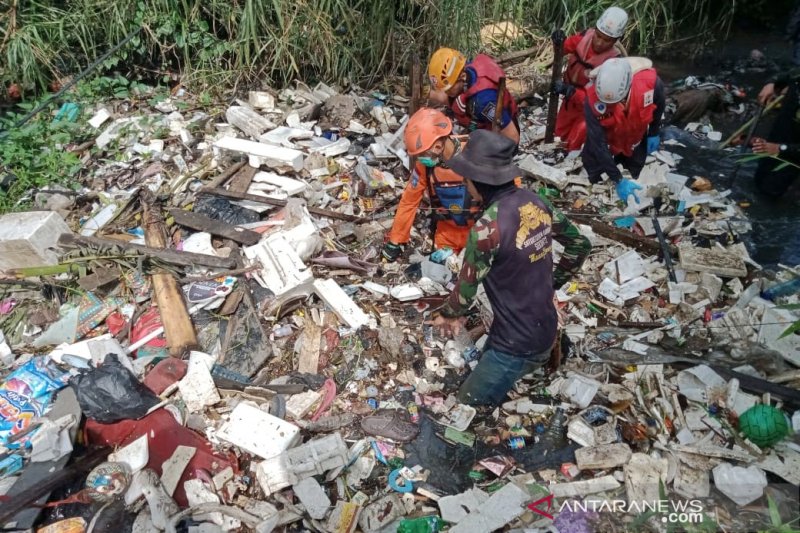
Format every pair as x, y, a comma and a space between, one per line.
451, 200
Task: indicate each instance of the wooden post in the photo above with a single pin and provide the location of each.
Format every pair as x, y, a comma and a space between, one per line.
178, 327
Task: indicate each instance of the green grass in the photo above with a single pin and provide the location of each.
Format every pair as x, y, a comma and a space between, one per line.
224, 42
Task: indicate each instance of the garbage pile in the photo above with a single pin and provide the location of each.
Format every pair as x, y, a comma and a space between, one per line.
205, 338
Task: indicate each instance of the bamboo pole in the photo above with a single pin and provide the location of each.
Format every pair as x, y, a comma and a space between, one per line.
178, 327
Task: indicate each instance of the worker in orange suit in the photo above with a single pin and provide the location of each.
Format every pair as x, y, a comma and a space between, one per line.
428, 138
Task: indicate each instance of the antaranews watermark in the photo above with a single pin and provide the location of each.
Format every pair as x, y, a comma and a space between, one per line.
672, 512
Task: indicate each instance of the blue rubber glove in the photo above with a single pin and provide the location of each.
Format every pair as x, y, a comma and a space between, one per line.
627, 187
653, 143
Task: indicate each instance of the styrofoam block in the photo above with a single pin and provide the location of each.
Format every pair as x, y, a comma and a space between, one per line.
283, 270
26, 238
312, 458
258, 432
279, 155
344, 307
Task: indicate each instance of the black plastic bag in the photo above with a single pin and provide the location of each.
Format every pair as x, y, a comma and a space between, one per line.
111, 392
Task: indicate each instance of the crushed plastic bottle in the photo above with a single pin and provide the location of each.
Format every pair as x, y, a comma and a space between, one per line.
424, 524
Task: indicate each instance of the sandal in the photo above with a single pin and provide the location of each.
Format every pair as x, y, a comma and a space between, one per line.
390, 423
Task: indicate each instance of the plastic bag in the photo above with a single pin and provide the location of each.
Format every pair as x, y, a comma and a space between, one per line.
25, 395
111, 392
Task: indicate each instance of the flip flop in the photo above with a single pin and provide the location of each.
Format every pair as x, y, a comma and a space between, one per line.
393, 424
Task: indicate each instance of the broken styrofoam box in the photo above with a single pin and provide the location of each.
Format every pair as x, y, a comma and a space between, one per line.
551, 175
626, 267
313, 458
694, 382
619, 294
135, 454
406, 292
271, 185
502, 507
742, 485
712, 260
283, 135
283, 270
456, 507
27, 238
261, 100
582, 488
99, 220
99, 118
644, 477
197, 386
580, 390
341, 304
602, 456
258, 432
313, 497
277, 155
299, 405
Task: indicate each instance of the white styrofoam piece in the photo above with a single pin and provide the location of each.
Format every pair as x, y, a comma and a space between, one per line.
629, 265
313, 497
283, 135
283, 270
315, 457
135, 455
172, 469
281, 156
299, 405
26, 238
99, 118
258, 432
344, 307
273, 185
553, 176
197, 386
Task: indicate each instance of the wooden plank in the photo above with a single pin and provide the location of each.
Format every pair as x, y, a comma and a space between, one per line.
200, 222
178, 327
643, 244
242, 180
220, 180
169, 256
282, 203
308, 361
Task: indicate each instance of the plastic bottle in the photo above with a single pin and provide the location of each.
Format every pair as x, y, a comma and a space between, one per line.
554, 436
424, 524
465, 346
787, 288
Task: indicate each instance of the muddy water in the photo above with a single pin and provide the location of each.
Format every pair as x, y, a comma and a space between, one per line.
776, 223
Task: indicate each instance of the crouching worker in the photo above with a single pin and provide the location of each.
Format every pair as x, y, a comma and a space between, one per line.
623, 109
453, 210
470, 90
509, 250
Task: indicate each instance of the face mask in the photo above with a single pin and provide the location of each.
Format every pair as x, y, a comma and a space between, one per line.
427, 161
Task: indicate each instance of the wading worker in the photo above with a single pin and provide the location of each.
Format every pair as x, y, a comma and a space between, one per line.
509, 250
470, 91
784, 139
428, 138
623, 111
587, 50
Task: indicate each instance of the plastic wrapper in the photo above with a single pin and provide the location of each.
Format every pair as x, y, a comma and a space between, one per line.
111, 392
25, 395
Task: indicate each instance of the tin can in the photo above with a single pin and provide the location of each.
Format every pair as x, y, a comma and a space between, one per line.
516, 443
413, 410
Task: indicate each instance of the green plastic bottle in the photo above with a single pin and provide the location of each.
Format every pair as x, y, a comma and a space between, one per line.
424, 524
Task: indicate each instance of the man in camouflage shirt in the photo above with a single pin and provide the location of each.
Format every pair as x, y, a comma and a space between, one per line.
509, 250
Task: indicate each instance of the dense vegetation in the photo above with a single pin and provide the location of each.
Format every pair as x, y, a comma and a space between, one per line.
224, 42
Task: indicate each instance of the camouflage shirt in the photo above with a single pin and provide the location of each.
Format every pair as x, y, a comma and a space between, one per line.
522, 256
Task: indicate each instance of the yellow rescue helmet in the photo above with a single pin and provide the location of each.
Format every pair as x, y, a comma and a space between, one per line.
424, 128
444, 68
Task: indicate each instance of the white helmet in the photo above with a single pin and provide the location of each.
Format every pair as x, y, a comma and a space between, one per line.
612, 22
613, 80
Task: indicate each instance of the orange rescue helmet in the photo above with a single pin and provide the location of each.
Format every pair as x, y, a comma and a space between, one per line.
444, 68
424, 128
